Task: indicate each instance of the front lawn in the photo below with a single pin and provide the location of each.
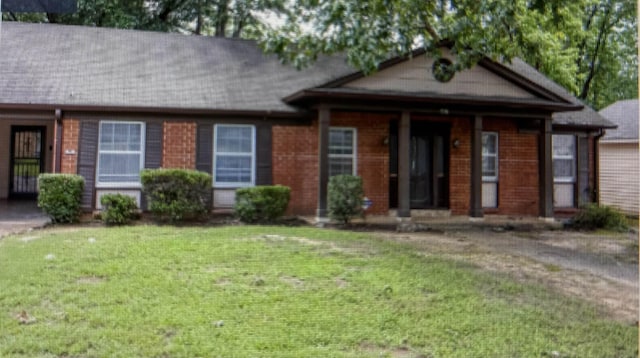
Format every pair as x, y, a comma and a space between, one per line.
254, 291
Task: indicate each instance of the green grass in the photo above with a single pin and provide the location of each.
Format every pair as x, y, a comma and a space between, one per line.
148, 291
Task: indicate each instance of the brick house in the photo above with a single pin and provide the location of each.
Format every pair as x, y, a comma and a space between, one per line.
105, 103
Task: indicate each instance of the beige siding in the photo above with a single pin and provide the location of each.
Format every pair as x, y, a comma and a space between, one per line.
415, 76
619, 176
5, 150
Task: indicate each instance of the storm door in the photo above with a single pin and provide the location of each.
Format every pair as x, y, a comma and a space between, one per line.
428, 166
27, 161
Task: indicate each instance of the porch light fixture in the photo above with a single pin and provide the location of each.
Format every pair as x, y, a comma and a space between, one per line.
456, 143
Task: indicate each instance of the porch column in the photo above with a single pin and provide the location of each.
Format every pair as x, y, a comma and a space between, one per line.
475, 202
545, 159
324, 114
404, 171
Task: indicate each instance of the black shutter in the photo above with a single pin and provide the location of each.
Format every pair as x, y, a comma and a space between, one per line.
153, 146
584, 189
204, 152
152, 152
204, 148
87, 160
263, 154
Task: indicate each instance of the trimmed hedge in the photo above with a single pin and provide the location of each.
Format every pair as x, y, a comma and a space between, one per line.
261, 203
60, 196
594, 216
118, 209
345, 197
176, 194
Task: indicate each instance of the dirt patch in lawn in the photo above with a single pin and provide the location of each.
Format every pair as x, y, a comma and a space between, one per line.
600, 268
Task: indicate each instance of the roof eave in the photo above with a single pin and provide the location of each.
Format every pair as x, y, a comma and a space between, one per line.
152, 110
317, 95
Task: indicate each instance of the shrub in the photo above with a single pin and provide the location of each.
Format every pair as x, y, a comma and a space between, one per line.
261, 203
176, 194
594, 216
118, 209
345, 197
60, 195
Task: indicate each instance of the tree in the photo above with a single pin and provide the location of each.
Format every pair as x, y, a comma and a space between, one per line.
581, 44
228, 18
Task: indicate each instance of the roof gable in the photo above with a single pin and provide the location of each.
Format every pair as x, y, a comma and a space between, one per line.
415, 76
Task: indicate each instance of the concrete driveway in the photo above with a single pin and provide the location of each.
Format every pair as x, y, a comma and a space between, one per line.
18, 216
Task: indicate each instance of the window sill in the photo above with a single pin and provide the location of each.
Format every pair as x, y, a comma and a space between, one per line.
118, 186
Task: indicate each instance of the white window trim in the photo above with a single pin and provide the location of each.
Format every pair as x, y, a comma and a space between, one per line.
354, 155
574, 159
215, 183
494, 179
135, 184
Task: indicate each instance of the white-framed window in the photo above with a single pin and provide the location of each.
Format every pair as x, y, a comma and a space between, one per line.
490, 165
489, 156
120, 153
564, 170
342, 151
234, 155
564, 158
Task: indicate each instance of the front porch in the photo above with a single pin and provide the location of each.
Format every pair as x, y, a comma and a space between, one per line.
439, 221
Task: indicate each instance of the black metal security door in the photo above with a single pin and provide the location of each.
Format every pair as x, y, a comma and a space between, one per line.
27, 162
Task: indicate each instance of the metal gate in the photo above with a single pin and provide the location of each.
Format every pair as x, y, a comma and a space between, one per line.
27, 150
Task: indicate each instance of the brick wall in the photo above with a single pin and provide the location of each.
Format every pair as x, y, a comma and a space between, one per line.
460, 167
179, 145
518, 178
295, 160
70, 137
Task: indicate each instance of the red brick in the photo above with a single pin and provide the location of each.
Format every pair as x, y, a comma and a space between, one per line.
179, 145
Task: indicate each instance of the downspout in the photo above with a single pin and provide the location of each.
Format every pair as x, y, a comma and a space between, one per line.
57, 154
596, 166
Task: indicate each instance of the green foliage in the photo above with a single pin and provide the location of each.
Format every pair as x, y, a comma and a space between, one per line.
594, 216
580, 44
59, 195
118, 209
261, 203
345, 197
218, 18
176, 194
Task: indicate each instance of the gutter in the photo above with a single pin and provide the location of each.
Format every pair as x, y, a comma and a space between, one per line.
596, 166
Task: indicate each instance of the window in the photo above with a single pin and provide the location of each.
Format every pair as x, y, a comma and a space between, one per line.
564, 158
342, 151
564, 170
120, 153
234, 155
489, 170
489, 156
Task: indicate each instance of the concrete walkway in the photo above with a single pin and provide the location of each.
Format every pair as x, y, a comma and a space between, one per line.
18, 216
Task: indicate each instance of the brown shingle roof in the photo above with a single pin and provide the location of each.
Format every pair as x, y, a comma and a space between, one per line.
59, 65
625, 115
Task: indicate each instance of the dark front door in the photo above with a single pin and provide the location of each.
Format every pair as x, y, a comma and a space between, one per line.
27, 161
428, 166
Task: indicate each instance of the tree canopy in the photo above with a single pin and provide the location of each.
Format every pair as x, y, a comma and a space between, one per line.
587, 46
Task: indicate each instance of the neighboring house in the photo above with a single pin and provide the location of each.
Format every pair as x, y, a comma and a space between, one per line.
105, 103
619, 171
